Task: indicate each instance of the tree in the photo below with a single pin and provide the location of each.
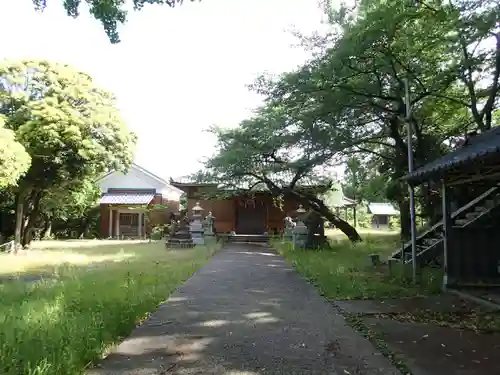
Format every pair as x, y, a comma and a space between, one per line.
14, 160
109, 12
363, 181
272, 152
355, 83
68, 203
71, 129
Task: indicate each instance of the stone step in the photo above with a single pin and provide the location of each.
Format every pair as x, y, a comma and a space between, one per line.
248, 238
472, 215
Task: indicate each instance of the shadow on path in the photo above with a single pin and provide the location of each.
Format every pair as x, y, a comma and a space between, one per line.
248, 313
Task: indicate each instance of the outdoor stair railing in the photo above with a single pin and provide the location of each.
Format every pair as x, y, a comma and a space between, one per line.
432, 237
7, 247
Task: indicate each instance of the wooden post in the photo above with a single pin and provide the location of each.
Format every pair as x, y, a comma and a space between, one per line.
117, 223
110, 224
446, 230
139, 225
354, 214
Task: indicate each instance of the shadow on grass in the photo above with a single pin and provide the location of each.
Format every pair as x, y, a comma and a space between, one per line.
345, 271
247, 313
59, 325
49, 262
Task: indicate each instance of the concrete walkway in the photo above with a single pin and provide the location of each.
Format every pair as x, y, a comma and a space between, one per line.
245, 313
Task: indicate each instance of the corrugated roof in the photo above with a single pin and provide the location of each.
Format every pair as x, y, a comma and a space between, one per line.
382, 209
478, 148
348, 201
126, 198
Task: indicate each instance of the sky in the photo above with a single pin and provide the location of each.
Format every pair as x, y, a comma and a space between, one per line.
176, 71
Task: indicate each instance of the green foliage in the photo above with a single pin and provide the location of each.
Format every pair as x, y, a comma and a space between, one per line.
69, 127
183, 202
62, 327
70, 201
363, 182
14, 160
347, 103
273, 152
345, 271
353, 89
110, 13
71, 130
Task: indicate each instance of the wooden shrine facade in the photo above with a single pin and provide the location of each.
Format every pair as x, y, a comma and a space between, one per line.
249, 213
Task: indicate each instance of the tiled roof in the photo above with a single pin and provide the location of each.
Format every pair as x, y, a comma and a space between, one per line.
126, 198
281, 179
382, 209
478, 148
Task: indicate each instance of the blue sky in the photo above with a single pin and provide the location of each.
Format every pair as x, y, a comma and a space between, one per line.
176, 71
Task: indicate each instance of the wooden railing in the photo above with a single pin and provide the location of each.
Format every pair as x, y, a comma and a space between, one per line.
453, 215
7, 247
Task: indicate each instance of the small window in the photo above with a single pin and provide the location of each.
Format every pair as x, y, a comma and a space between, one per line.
129, 219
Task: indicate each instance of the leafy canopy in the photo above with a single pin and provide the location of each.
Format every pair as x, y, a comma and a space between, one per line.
14, 160
347, 102
70, 128
110, 13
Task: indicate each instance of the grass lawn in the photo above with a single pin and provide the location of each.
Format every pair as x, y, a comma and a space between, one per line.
344, 271
93, 294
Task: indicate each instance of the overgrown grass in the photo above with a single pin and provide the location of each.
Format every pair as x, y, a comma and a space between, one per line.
64, 324
345, 272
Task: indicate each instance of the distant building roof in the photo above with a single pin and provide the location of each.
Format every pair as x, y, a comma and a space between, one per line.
382, 209
138, 168
127, 198
481, 148
335, 198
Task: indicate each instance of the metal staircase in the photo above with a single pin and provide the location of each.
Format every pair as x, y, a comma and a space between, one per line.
429, 242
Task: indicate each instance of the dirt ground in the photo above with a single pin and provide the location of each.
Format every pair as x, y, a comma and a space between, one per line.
434, 335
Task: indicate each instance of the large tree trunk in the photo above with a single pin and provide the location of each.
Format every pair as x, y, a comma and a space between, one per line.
20, 201
31, 219
404, 213
319, 206
83, 228
343, 225
47, 227
27, 236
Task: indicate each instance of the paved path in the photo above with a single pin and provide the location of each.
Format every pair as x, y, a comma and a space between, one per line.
245, 313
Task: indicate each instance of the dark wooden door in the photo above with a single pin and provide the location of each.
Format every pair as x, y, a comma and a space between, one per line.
250, 216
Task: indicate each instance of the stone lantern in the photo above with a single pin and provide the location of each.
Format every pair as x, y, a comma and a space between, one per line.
209, 224
300, 211
300, 230
196, 226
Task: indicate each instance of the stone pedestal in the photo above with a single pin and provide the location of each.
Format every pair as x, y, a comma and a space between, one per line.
299, 235
196, 226
179, 236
